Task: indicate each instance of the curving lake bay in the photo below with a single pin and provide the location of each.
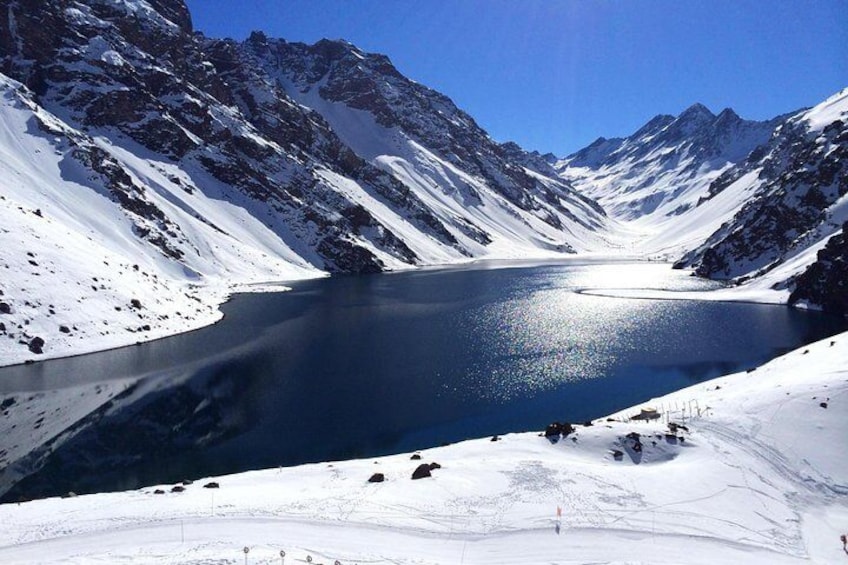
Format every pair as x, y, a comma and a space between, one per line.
362, 366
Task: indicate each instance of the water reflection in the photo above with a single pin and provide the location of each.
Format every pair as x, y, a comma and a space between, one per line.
359, 366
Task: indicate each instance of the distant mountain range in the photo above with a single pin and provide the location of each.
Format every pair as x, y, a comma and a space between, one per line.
748, 202
148, 170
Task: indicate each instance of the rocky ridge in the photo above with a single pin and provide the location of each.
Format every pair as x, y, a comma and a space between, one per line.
797, 183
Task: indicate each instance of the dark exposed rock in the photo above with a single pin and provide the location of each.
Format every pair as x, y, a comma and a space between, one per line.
178, 488
5, 308
212, 484
377, 478
556, 429
36, 345
434, 466
637, 441
64, 329
825, 282
553, 430
415, 457
158, 491
422, 471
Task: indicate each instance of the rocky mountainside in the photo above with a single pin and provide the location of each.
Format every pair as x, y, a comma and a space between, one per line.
416, 134
797, 186
749, 202
663, 168
149, 168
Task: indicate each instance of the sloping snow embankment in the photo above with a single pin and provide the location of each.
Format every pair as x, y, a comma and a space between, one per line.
759, 474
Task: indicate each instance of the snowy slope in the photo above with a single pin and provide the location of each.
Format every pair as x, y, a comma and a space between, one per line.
759, 474
72, 257
481, 189
654, 183
798, 187
144, 164
753, 202
664, 168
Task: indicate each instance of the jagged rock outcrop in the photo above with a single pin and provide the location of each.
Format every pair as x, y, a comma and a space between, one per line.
825, 282
796, 187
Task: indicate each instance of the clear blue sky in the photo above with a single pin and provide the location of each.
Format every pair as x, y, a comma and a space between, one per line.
553, 75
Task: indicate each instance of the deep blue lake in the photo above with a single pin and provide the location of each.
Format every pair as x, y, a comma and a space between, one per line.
369, 365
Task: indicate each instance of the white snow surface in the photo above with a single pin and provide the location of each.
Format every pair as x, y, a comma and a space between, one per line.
69, 258
832, 109
759, 476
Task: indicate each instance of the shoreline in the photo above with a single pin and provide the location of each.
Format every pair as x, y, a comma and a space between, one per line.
282, 286
722, 489
727, 294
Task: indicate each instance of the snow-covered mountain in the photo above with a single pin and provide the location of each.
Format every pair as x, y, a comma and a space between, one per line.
147, 169
732, 199
663, 169
797, 200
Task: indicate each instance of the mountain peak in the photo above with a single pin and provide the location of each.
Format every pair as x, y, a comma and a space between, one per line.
175, 11
696, 111
728, 113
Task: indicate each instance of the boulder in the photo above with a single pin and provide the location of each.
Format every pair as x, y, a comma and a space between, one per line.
5, 308
36, 345
213, 484
553, 430
378, 478
421, 472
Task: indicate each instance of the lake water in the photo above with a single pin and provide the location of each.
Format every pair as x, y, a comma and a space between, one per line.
363, 366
